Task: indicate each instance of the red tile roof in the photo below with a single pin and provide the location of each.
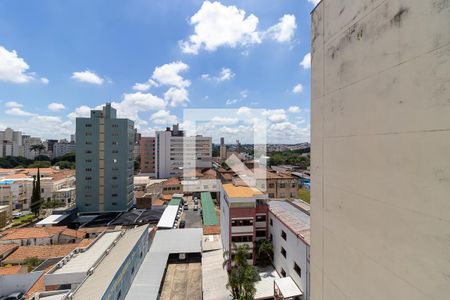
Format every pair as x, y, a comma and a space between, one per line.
10, 270
32, 232
214, 229
41, 252
7, 248
171, 181
79, 234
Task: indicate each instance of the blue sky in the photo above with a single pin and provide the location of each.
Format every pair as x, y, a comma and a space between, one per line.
153, 59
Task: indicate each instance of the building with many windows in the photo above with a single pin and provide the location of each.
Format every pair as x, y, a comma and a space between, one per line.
104, 158
243, 218
147, 152
175, 152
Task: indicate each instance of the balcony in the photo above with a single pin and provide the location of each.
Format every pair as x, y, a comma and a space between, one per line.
241, 229
238, 244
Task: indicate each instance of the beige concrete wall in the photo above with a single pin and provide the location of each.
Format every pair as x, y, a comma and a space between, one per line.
380, 215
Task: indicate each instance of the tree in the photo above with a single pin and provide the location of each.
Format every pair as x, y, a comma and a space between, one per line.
38, 148
35, 204
32, 262
264, 249
242, 276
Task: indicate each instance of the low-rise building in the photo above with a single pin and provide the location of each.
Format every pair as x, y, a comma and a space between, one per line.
289, 231
36, 236
243, 217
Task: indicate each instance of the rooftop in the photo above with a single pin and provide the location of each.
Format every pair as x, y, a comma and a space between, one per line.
234, 191
208, 209
51, 220
41, 252
32, 232
5, 249
10, 270
168, 217
293, 217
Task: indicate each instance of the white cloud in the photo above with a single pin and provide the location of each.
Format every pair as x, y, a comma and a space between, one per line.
297, 89
88, 77
163, 117
176, 96
56, 106
306, 62
276, 115
244, 94
294, 109
220, 121
13, 68
225, 74
284, 30
16, 111
44, 80
80, 112
217, 25
13, 104
134, 103
168, 74
231, 101
143, 87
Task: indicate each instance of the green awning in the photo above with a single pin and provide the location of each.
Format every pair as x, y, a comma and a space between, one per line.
175, 201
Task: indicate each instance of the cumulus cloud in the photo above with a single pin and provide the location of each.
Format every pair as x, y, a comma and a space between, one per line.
220, 121
283, 31
163, 117
294, 109
231, 101
80, 112
169, 74
176, 96
11, 104
306, 62
217, 25
134, 103
276, 115
297, 89
14, 68
88, 77
225, 74
54, 106
314, 2
44, 80
17, 111
143, 87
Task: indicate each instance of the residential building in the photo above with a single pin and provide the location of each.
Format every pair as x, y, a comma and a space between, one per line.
27, 142
380, 136
16, 190
63, 147
104, 158
289, 232
176, 153
243, 218
222, 149
278, 185
147, 152
10, 142
5, 215
38, 236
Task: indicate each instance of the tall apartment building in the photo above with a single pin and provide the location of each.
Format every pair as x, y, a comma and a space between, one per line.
63, 147
222, 149
104, 176
10, 142
176, 152
27, 142
147, 153
380, 150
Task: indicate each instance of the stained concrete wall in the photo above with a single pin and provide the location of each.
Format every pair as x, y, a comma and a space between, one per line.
380, 216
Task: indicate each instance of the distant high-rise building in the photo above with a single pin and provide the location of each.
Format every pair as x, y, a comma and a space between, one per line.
72, 138
27, 142
172, 148
63, 147
222, 149
380, 141
147, 152
11, 142
104, 159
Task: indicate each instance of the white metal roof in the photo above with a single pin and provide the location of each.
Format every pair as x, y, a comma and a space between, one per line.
185, 240
83, 261
288, 288
264, 287
168, 217
214, 276
52, 219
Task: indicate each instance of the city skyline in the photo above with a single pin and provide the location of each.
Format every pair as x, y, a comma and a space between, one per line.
152, 60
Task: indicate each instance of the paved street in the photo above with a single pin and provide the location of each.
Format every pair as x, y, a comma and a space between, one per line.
192, 218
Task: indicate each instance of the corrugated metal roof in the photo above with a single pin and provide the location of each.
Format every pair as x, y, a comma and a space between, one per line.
175, 201
208, 210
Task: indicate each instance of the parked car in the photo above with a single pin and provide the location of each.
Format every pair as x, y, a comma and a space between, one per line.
186, 207
182, 224
195, 201
195, 207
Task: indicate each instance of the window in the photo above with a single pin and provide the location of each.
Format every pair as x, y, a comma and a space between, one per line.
271, 222
283, 252
270, 237
297, 269
242, 239
261, 233
88, 170
271, 185
114, 195
115, 143
261, 218
271, 195
88, 151
88, 125
283, 235
283, 273
114, 203
241, 222
282, 185
88, 178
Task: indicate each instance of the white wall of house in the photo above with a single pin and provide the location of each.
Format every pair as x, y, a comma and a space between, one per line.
297, 251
